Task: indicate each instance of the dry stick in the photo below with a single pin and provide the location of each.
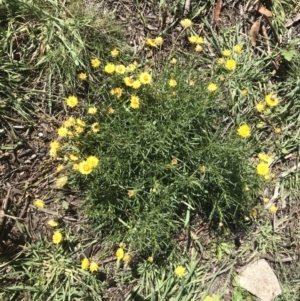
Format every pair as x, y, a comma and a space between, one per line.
54, 213
187, 7
4, 208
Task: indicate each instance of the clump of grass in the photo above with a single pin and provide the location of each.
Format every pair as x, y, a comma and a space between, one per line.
176, 143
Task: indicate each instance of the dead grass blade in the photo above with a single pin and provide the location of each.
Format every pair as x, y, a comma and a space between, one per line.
263, 10
254, 32
217, 12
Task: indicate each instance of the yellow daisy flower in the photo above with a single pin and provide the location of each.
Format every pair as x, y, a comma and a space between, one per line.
52, 223
120, 253
128, 81
82, 76
193, 39
262, 168
145, 78
158, 41
172, 83
237, 49
120, 69
244, 131
273, 209
212, 87
134, 102
230, 65
39, 203
62, 132
226, 52
110, 68
93, 161
127, 258
264, 157
136, 84
85, 263
180, 271
271, 100
94, 267
57, 237
92, 110
55, 145
95, 127
186, 23
72, 101
198, 48
114, 52
85, 168
95, 62
260, 107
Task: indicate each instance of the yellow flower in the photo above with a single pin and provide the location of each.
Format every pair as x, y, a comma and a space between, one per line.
174, 161
82, 76
260, 107
277, 130
226, 52
262, 168
151, 42
59, 168
237, 49
62, 132
110, 68
266, 200
80, 122
72, 101
273, 209
57, 237
199, 40
61, 182
52, 223
39, 204
130, 67
128, 81
75, 166
130, 193
220, 61
53, 153
92, 110
93, 161
95, 127
134, 102
110, 110
271, 100
136, 84
230, 65
79, 129
94, 267
145, 78
172, 83
114, 52
244, 92
85, 263
158, 41
222, 78
179, 271
69, 122
55, 145
212, 87
120, 253
120, 69
198, 48
73, 157
244, 131
202, 168
117, 92
150, 259
264, 157
173, 61
193, 39
95, 62
84, 168
254, 212
127, 258
186, 23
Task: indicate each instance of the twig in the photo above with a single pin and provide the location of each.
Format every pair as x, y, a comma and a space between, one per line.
187, 7
54, 213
